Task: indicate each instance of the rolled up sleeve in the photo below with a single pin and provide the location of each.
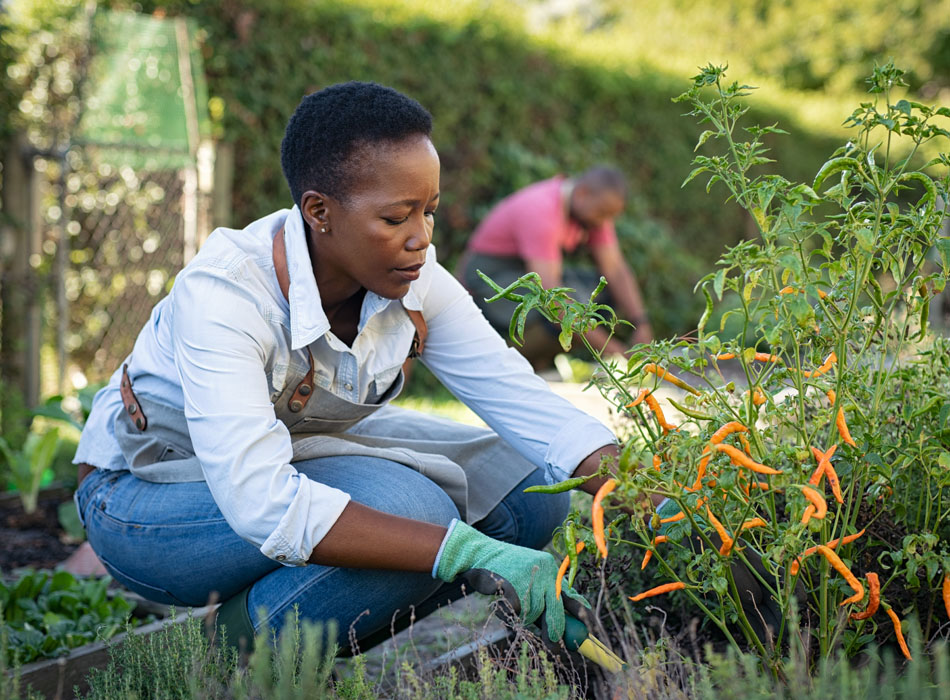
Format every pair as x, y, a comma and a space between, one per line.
499, 385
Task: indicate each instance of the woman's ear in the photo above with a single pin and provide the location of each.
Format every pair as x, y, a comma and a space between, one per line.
313, 207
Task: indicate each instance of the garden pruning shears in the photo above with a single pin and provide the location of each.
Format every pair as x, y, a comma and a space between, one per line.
578, 638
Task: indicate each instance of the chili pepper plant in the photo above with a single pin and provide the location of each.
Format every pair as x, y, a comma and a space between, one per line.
816, 437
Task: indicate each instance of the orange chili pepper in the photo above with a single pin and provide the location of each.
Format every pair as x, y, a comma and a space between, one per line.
897, 630
636, 402
659, 590
597, 515
562, 570
825, 366
791, 290
657, 461
834, 482
726, 356
822, 458
946, 592
673, 518
809, 511
766, 357
845, 572
729, 428
759, 485
741, 459
874, 598
701, 469
840, 421
754, 522
831, 544
745, 444
843, 429
727, 541
676, 381
817, 500
660, 418
659, 539
758, 398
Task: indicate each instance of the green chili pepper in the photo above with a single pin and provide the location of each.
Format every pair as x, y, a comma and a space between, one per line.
559, 487
701, 326
570, 544
689, 412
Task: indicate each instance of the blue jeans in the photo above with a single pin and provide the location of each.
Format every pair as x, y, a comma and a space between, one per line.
171, 544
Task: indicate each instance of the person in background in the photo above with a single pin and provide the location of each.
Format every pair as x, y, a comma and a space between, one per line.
531, 230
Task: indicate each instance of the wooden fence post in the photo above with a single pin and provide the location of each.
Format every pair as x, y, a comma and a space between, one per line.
21, 235
221, 207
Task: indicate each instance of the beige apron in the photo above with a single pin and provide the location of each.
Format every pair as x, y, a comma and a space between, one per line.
474, 466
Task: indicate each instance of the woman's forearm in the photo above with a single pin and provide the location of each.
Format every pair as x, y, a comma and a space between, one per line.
366, 538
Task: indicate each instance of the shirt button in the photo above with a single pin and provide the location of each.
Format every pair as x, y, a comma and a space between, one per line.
280, 557
348, 386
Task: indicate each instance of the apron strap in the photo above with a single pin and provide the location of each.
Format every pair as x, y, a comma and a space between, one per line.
422, 330
132, 406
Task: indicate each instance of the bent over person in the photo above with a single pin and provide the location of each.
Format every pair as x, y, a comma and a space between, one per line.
531, 230
246, 448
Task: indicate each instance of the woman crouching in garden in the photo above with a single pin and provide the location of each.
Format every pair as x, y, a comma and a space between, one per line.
246, 450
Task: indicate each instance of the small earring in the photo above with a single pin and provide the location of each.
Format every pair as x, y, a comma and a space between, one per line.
323, 229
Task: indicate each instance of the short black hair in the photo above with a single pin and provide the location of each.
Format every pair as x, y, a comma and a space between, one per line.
605, 178
331, 125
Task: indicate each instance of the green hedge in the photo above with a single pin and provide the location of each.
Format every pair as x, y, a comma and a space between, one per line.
507, 109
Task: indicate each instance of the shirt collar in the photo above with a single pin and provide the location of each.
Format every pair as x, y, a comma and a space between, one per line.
307, 320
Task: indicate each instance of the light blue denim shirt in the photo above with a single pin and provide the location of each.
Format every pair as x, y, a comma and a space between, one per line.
219, 347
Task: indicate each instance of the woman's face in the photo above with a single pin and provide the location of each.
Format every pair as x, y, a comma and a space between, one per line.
377, 238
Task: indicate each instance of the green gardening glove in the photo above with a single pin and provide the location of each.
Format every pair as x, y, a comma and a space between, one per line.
525, 576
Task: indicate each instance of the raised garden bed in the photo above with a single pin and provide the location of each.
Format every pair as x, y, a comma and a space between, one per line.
60, 677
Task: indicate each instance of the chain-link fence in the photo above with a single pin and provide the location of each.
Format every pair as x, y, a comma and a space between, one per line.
115, 236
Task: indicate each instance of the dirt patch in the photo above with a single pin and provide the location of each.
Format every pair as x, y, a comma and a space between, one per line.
34, 539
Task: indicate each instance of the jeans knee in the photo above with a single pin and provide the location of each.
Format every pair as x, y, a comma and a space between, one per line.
527, 519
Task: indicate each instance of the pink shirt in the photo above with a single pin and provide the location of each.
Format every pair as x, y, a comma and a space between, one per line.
532, 224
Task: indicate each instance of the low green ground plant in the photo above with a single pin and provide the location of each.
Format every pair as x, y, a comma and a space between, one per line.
47, 614
834, 462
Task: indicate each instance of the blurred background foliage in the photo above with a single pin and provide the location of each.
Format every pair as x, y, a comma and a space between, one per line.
524, 90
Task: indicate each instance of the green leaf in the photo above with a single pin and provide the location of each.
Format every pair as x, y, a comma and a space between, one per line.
835, 165
718, 282
701, 326
865, 239
703, 137
943, 247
